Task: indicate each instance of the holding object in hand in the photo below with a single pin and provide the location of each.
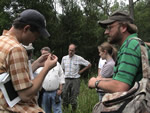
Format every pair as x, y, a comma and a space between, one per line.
52, 83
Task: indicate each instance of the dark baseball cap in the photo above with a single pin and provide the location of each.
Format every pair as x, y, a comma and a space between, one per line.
33, 17
116, 16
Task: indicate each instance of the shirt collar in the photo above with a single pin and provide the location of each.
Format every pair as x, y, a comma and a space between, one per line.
7, 33
130, 36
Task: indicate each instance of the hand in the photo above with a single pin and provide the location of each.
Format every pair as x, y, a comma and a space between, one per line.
91, 83
41, 60
59, 92
99, 77
51, 61
79, 72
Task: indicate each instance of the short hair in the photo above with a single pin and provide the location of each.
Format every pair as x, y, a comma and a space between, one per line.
46, 49
73, 44
20, 25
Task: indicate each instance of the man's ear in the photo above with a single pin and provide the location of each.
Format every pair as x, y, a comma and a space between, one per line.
26, 28
123, 28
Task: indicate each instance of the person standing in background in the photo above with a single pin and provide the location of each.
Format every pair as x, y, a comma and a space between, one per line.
52, 86
106, 52
71, 65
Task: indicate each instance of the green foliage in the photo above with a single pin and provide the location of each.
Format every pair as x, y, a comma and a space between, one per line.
142, 17
4, 23
77, 23
5, 17
85, 105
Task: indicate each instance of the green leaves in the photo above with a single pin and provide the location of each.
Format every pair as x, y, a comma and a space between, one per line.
77, 23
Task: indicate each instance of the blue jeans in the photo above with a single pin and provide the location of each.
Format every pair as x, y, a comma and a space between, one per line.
101, 96
48, 102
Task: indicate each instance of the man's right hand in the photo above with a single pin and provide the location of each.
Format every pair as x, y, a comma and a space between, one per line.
51, 61
41, 60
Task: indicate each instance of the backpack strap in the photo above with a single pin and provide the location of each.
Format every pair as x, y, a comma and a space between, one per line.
144, 57
145, 61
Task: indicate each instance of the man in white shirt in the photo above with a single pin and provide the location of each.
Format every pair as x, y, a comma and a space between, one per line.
52, 85
71, 65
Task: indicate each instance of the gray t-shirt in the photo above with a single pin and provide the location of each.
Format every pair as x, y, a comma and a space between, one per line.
108, 69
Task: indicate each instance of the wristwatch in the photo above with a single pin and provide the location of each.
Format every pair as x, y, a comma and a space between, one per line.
96, 83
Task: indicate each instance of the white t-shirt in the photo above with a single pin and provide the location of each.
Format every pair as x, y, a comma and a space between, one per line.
101, 63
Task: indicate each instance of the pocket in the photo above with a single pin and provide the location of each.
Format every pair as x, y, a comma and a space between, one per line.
75, 65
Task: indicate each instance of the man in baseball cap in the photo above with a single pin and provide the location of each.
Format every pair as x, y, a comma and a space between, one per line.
29, 26
121, 30
121, 16
35, 18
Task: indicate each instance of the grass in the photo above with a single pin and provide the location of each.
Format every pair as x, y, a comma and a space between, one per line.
86, 100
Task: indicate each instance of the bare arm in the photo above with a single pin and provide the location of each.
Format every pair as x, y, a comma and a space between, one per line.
147, 43
99, 75
39, 62
84, 69
59, 91
109, 85
99, 70
28, 93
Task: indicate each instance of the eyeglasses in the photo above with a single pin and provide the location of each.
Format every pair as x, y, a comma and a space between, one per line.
110, 27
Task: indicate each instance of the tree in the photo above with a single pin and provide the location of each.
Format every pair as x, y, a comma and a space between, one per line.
77, 23
131, 8
142, 17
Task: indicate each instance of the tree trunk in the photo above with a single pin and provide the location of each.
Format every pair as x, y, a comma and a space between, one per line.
131, 8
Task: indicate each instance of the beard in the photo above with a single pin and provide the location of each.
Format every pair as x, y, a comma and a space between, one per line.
116, 38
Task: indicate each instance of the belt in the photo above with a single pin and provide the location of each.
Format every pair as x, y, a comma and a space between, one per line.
49, 91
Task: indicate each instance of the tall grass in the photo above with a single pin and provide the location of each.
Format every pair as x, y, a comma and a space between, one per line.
86, 100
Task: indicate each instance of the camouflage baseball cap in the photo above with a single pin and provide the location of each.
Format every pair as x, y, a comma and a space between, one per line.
116, 16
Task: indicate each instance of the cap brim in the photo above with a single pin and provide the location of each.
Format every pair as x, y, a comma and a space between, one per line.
44, 33
105, 22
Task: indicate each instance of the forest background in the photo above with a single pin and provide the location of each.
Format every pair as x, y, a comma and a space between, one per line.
77, 23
